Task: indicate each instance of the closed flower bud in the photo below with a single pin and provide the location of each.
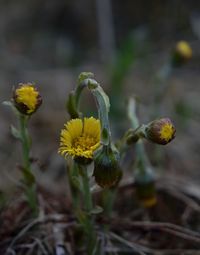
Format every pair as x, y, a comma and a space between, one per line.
160, 131
182, 53
145, 188
26, 98
107, 171
146, 193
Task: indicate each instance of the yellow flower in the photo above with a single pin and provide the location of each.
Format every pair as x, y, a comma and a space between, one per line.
167, 132
160, 131
182, 53
146, 193
184, 50
27, 98
80, 138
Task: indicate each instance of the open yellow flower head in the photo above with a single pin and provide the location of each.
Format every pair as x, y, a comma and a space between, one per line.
160, 131
27, 98
80, 138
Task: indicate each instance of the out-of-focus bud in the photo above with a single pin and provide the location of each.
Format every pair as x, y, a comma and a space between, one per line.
107, 171
146, 194
26, 98
182, 53
145, 188
160, 131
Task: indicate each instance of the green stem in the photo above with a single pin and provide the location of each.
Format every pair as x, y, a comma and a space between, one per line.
72, 173
140, 150
161, 87
88, 221
143, 161
86, 189
25, 140
29, 179
103, 105
108, 201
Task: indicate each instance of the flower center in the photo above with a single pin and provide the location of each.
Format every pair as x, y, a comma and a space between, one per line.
84, 142
167, 132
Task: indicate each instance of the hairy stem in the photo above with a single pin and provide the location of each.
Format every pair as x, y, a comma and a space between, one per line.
28, 177
88, 221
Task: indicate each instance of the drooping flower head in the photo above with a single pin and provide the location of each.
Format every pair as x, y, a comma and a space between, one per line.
80, 138
107, 170
160, 131
27, 98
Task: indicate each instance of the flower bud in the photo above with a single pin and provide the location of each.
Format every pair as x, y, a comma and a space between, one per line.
145, 188
182, 53
107, 171
26, 98
146, 194
160, 131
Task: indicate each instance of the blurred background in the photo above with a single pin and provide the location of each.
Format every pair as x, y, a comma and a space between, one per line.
125, 44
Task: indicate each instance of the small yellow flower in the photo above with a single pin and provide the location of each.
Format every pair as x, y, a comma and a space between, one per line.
160, 131
80, 138
149, 202
146, 193
184, 50
182, 53
27, 98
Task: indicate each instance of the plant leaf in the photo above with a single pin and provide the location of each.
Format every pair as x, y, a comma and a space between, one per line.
96, 210
15, 132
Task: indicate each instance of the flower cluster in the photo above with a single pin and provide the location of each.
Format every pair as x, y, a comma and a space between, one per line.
87, 144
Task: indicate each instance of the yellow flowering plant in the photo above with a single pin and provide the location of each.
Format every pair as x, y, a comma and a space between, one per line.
84, 140
25, 101
92, 156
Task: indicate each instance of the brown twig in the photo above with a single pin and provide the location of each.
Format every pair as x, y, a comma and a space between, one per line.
136, 247
48, 218
141, 249
170, 228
